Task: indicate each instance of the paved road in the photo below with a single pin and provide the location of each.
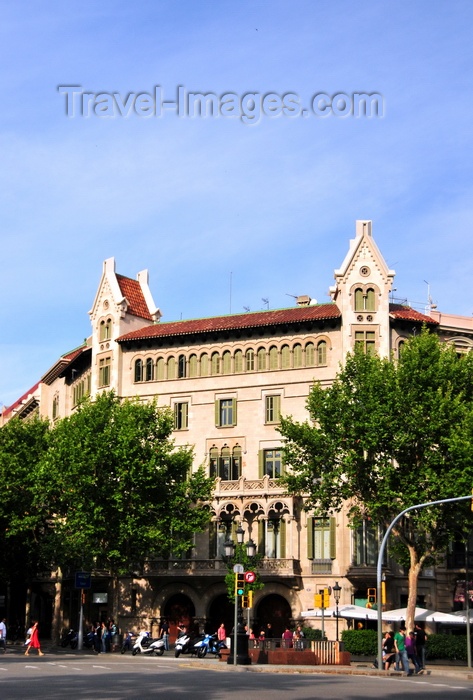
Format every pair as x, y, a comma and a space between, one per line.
115, 677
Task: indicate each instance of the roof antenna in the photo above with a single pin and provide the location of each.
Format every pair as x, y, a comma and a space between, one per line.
247, 309
265, 301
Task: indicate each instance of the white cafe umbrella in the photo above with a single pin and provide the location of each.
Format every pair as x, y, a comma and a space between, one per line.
421, 615
356, 612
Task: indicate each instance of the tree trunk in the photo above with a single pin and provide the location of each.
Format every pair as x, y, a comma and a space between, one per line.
57, 612
414, 571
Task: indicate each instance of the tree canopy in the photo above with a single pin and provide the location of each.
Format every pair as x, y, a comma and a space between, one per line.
386, 436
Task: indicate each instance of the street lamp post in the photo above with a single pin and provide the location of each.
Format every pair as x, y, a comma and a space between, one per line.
239, 640
336, 590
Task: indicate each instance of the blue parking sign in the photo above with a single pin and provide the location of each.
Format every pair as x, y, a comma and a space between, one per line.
83, 579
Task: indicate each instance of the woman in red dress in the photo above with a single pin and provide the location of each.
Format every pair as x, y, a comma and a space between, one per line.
34, 641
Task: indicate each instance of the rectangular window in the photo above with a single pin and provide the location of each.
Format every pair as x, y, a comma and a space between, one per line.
272, 538
181, 416
272, 408
271, 463
366, 340
225, 412
321, 534
366, 544
104, 372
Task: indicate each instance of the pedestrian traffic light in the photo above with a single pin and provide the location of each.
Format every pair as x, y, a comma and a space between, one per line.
247, 600
371, 597
82, 597
239, 584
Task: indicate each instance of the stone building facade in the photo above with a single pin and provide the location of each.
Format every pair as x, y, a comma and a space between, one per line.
228, 379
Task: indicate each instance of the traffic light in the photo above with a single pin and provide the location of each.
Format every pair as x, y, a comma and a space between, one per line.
383, 592
82, 597
239, 584
326, 595
247, 600
318, 599
371, 597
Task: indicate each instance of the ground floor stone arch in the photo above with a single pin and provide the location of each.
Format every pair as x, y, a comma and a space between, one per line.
273, 609
179, 609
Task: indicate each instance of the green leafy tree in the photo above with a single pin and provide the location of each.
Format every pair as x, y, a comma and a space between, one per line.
249, 564
23, 517
119, 489
388, 435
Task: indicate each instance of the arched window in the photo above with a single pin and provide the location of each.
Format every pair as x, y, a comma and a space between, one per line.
370, 300
160, 365
250, 360
193, 366
213, 462
181, 366
172, 368
297, 355
204, 365
139, 371
285, 357
273, 357
236, 466
105, 332
261, 355
359, 300
238, 361
401, 347
309, 355
225, 464
215, 363
322, 353
149, 373
226, 362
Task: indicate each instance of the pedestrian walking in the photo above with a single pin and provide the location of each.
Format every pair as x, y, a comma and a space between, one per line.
34, 640
401, 652
3, 635
421, 642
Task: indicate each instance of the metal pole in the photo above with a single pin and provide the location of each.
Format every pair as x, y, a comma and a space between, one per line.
467, 607
380, 563
81, 621
235, 630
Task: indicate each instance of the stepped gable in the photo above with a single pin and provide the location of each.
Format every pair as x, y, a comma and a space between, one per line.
405, 313
320, 312
131, 290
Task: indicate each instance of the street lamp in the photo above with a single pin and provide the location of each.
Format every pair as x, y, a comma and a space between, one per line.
336, 590
239, 646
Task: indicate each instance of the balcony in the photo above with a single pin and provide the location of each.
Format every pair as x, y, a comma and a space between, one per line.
217, 567
321, 566
248, 487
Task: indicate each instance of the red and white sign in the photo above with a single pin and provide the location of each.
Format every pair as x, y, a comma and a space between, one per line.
250, 577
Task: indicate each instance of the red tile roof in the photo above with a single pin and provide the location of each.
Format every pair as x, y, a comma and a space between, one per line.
63, 362
21, 400
405, 313
132, 292
320, 312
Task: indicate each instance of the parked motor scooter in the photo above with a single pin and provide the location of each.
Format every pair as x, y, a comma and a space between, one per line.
146, 645
127, 643
70, 638
209, 644
182, 644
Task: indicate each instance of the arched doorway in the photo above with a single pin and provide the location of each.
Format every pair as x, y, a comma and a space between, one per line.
179, 609
273, 609
221, 610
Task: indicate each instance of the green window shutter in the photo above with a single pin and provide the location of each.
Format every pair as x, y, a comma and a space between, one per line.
217, 413
333, 538
310, 538
282, 538
277, 408
213, 540
234, 411
260, 464
185, 415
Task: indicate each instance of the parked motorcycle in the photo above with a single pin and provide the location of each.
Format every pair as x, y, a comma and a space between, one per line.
127, 643
182, 645
147, 645
70, 638
88, 640
209, 644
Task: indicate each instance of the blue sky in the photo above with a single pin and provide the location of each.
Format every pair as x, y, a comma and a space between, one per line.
271, 205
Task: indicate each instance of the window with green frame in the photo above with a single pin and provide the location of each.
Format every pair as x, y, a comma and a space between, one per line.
270, 463
204, 365
297, 355
366, 544
272, 408
181, 415
321, 353
321, 538
261, 357
309, 355
104, 371
285, 357
250, 360
193, 366
139, 370
225, 412
225, 464
226, 362
272, 538
149, 370
160, 368
366, 340
238, 361
273, 357
171, 368
215, 363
